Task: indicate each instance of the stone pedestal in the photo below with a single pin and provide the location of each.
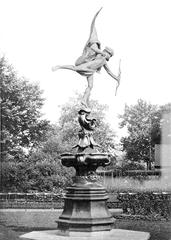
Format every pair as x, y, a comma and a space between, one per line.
85, 207
85, 210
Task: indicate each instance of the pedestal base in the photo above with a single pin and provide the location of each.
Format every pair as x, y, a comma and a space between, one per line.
114, 234
85, 210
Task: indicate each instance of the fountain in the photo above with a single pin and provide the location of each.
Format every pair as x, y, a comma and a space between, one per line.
85, 214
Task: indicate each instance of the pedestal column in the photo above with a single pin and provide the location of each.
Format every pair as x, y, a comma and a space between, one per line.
85, 208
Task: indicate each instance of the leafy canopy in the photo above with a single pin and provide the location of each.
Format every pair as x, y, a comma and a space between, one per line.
144, 123
139, 119
21, 103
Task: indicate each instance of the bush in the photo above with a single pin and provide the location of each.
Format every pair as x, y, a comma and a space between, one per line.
41, 176
148, 204
13, 177
132, 166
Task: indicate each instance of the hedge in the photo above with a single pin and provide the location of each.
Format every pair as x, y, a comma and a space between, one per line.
148, 204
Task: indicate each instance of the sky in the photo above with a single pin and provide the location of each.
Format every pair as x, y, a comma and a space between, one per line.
38, 34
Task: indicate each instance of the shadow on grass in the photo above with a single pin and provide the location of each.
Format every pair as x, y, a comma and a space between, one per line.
26, 229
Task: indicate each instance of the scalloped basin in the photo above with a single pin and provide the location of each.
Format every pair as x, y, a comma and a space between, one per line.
73, 160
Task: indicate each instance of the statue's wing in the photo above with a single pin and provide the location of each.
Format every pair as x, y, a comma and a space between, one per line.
93, 34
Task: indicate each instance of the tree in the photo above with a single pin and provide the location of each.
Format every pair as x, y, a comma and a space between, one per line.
140, 120
21, 103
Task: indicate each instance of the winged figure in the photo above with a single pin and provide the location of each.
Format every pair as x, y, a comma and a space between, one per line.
91, 61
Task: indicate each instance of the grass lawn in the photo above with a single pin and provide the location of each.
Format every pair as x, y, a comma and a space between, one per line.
7, 234
159, 230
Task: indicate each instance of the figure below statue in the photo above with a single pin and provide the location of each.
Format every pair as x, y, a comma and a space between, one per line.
91, 61
85, 135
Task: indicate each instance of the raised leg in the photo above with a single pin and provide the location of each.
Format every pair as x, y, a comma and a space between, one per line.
69, 67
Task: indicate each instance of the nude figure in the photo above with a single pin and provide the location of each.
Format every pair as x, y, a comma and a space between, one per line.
91, 61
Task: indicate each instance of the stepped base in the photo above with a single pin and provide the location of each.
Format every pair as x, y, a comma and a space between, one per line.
114, 234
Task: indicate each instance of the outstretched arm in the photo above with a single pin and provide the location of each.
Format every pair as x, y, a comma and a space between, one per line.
117, 78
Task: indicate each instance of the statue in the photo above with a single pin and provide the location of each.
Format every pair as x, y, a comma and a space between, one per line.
85, 214
91, 61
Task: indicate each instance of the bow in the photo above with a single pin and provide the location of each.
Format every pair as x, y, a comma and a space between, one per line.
119, 77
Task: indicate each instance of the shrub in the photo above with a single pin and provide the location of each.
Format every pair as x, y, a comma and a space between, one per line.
132, 166
148, 204
41, 176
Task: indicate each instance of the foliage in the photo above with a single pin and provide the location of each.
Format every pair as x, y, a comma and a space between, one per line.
132, 166
38, 175
145, 123
33, 200
21, 102
148, 204
140, 120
